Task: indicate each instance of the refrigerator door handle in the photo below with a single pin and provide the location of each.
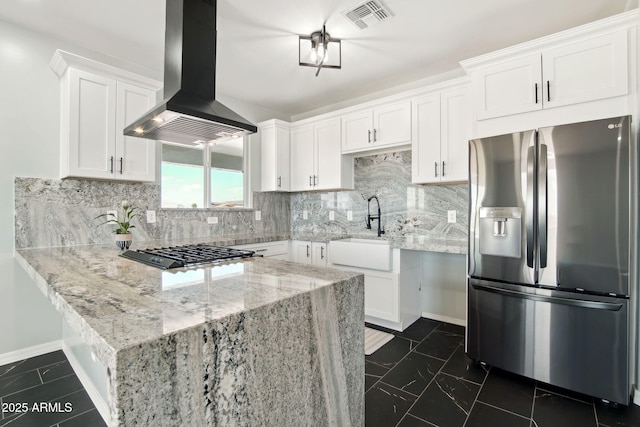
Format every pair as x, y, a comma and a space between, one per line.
529, 206
551, 299
542, 204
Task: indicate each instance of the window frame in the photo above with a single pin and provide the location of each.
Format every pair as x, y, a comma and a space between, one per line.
206, 164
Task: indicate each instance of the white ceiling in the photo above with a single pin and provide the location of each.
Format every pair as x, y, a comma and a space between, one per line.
258, 40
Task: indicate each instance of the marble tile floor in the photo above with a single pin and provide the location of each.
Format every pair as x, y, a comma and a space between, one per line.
48, 381
423, 378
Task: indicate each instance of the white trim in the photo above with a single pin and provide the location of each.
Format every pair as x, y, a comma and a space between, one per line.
26, 353
92, 391
636, 396
62, 60
447, 319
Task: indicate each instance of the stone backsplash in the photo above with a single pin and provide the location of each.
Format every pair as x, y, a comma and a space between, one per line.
54, 212
407, 209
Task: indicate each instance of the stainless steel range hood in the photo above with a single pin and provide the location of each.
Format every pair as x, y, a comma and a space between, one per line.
190, 114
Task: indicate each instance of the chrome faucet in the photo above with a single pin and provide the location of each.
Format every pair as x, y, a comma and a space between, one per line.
374, 217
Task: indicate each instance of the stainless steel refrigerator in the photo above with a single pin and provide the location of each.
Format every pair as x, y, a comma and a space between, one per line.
549, 255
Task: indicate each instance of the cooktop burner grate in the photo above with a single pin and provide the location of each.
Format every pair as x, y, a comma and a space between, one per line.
184, 256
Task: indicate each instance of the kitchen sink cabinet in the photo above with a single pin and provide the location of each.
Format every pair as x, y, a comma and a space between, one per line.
441, 130
310, 253
97, 102
316, 159
380, 127
590, 69
392, 298
276, 158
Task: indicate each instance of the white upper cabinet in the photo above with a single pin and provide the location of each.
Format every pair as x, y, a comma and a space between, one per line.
387, 125
441, 130
316, 159
276, 157
97, 102
590, 69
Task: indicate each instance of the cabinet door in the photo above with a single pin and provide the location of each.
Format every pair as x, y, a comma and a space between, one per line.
381, 297
301, 252
91, 126
425, 148
319, 253
328, 155
455, 132
357, 131
585, 71
135, 157
508, 88
276, 159
392, 124
302, 158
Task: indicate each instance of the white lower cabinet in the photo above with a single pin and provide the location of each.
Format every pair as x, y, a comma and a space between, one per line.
392, 298
311, 253
274, 250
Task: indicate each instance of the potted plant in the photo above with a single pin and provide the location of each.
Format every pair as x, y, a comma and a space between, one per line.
123, 235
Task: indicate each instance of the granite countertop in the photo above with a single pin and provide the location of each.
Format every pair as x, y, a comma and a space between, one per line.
115, 303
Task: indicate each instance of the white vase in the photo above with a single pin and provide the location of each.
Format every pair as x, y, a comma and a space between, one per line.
123, 241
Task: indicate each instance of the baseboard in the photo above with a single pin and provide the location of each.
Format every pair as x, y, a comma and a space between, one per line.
92, 391
25, 353
447, 319
636, 397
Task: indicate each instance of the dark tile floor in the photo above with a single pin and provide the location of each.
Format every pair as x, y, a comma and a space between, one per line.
44, 391
420, 378
423, 378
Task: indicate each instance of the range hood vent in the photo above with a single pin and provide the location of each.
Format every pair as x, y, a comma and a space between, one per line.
190, 113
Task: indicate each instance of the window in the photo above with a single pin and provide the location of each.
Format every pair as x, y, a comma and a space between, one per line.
204, 176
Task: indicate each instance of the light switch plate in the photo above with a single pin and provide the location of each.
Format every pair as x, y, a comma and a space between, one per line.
258, 215
305, 214
349, 215
332, 216
451, 217
212, 220
151, 217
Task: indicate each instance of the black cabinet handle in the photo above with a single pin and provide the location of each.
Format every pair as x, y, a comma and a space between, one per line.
443, 168
548, 92
536, 93
310, 182
375, 135
307, 251
315, 180
435, 165
111, 170
121, 162
321, 252
369, 137
279, 181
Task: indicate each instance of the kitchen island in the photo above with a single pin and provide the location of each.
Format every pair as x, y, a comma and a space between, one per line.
252, 342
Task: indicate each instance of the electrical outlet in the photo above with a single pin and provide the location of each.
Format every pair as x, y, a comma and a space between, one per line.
112, 215
305, 214
451, 217
212, 220
151, 217
349, 215
258, 215
332, 216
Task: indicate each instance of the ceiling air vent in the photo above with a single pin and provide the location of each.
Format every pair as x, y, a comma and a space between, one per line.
368, 14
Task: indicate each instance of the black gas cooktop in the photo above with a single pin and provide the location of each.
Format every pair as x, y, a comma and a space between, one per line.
184, 256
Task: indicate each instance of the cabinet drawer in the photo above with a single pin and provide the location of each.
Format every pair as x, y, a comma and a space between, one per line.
268, 249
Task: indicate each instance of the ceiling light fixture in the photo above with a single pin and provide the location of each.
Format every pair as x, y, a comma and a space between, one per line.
313, 51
